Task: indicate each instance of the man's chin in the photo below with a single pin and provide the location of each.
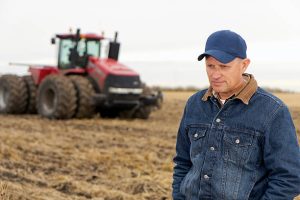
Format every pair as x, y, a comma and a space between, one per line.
218, 89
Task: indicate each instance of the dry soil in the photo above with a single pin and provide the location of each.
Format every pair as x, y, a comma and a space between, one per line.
100, 159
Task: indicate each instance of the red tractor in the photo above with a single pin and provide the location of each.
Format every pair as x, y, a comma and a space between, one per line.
88, 79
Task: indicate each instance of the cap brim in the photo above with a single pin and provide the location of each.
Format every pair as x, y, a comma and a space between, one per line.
221, 56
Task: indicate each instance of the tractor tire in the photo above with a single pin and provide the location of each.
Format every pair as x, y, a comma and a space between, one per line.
13, 95
84, 94
31, 92
143, 112
56, 98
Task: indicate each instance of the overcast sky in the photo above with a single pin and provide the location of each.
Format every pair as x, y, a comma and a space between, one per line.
156, 30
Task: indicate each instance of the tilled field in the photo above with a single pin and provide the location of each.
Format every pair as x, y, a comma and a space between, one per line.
100, 159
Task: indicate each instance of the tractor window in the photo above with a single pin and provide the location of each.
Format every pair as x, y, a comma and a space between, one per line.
93, 48
69, 57
64, 52
81, 48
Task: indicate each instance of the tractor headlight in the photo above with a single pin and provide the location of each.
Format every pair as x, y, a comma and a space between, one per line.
115, 90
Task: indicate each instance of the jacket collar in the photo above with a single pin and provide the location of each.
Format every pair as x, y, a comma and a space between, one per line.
244, 94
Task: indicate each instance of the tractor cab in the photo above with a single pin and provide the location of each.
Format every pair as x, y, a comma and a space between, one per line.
75, 49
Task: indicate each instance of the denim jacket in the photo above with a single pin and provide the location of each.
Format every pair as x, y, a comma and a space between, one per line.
236, 152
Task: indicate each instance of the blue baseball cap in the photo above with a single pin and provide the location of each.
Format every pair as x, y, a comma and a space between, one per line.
225, 46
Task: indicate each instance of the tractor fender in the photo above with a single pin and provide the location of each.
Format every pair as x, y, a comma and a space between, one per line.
38, 74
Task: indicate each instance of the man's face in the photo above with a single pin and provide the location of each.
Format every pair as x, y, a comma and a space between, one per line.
225, 78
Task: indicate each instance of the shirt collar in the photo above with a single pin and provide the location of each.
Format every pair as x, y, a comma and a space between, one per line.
244, 94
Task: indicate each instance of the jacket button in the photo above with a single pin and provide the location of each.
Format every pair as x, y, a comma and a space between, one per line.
218, 120
237, 141
206, 176
212, 148
196, 135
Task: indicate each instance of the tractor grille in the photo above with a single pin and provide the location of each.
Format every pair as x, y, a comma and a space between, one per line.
122, 82
123, 89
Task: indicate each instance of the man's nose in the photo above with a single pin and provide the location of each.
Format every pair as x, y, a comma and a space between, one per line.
216, 74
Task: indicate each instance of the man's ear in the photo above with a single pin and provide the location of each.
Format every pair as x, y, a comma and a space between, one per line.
245, 63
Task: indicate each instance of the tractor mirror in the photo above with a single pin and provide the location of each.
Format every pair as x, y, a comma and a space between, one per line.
52, 40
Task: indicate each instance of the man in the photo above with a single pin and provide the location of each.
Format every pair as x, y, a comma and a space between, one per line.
235, 140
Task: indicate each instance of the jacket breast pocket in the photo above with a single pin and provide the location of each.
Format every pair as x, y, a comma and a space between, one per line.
197, 137
237, 145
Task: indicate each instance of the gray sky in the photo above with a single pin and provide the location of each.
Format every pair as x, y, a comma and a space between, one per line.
156, 30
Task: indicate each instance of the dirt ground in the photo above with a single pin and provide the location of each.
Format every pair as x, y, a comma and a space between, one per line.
99, 159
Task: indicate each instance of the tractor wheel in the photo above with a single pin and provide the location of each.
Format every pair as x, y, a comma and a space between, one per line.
143, 112
31, 92
13, 95
56, 98
84, 93
154, 92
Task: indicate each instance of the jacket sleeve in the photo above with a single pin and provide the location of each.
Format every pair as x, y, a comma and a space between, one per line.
282, 157
182, 162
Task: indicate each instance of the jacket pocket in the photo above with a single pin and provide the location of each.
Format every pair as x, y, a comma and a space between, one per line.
196, 133
196, 136
237, 145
